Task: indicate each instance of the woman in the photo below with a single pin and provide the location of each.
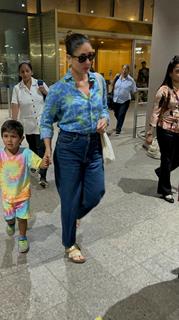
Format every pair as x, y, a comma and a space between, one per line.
165, 118
28, 100
76, 101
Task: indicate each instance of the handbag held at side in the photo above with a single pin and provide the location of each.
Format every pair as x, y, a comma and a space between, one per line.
107, 149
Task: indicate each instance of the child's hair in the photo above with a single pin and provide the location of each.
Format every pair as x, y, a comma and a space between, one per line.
12, 125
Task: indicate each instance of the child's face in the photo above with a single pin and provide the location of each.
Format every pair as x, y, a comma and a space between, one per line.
11, 141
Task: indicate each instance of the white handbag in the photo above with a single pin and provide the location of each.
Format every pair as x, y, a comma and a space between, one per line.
108, 153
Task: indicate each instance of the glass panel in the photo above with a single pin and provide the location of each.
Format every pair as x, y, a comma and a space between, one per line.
110, 61
127, 9
14, 5
148, 10
95, 7
14, 46
21, 6
68, 5
142, 62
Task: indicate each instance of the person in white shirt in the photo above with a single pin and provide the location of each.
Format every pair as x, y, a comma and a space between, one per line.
123, 88
27, 104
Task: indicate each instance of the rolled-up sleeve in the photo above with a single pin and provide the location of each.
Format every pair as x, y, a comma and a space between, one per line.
15, 96
48, 115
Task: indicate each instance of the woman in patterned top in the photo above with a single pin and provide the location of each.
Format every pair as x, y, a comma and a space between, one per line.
165, 118
79, 108
27, 105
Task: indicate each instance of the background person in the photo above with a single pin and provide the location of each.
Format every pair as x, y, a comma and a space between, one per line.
143, 76
165, 118
28, 103
77, 102
143, 80
123, 88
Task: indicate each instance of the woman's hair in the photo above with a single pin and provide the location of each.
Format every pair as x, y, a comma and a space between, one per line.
164, 101
12, 125
25, 62
74, 41
168, 80
126, 66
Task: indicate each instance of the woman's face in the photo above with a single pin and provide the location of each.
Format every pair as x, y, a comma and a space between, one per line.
85, 50
175, 74
25, 72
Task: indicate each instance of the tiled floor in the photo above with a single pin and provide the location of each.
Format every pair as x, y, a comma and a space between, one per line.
131, 240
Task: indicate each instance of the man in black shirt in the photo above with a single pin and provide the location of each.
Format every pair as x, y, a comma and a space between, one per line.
143, 80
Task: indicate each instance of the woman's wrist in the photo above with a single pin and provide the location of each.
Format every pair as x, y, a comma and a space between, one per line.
150, 130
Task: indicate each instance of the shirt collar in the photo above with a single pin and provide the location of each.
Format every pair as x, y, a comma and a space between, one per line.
69, 76
126, 78
22, 85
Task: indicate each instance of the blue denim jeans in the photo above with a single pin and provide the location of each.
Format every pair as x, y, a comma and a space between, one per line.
79, 177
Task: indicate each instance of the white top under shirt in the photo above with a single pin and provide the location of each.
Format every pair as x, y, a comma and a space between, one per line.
31, 104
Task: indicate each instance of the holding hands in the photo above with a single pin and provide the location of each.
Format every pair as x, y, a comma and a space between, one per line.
45, 162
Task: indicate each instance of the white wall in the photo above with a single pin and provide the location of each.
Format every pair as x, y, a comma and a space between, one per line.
165, 44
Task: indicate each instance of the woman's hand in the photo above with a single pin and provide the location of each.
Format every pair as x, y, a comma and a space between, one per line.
48, 156
48, 150
101, 125
149, 138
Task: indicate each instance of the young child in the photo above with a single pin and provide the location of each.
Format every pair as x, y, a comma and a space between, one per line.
15, 164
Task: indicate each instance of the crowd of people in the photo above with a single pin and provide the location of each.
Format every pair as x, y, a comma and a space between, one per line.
79, 107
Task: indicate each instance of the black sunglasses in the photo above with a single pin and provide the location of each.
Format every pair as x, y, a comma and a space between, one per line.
83, 57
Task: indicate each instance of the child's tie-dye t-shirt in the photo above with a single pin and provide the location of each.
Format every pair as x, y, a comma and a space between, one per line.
15, 174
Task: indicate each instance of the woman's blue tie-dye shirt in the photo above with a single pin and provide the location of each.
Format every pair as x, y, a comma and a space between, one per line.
75, 111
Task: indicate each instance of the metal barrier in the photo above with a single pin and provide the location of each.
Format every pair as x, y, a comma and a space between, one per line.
136, 113
5, 97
